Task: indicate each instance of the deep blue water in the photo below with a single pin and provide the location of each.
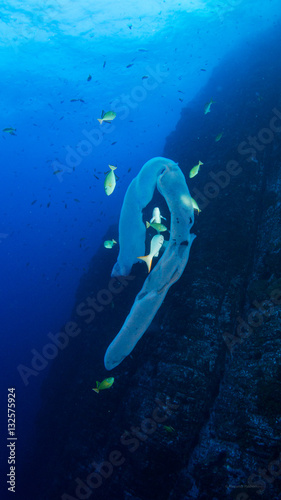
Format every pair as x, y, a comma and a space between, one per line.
53, 223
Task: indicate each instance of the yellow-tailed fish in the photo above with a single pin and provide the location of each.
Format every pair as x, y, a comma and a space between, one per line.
109, 243
157, 226
207, 107
110, 181
107, 117
194, 171
105, 384
219, 136
10, 130
169, 428
155, 245
195, 205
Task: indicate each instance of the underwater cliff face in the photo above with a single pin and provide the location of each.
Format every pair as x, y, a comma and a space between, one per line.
194, 412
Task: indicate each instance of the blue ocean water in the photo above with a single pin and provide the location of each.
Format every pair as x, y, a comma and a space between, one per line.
62, 64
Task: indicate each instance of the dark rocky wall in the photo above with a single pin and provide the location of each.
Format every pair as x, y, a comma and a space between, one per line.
213, 380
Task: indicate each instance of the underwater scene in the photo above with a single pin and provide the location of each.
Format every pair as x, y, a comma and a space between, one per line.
140, 246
